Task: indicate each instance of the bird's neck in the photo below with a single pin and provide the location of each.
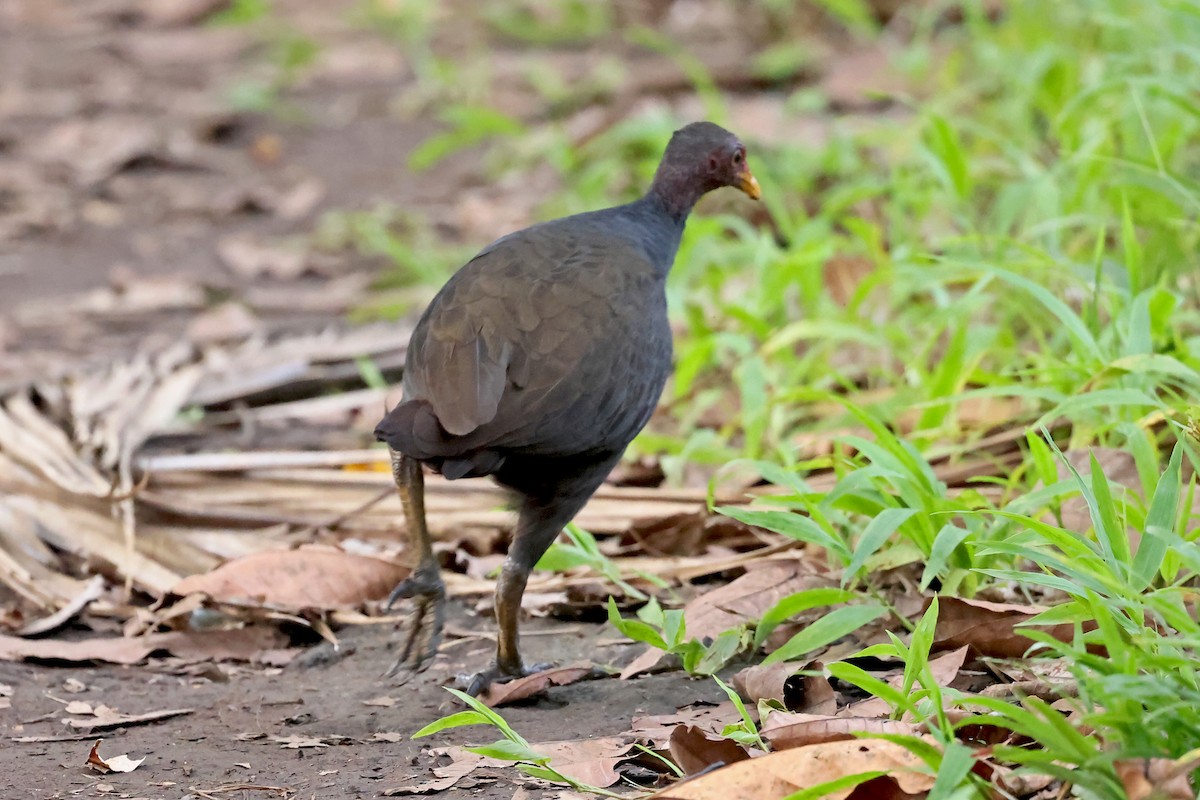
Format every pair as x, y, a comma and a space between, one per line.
662, 231
675, 192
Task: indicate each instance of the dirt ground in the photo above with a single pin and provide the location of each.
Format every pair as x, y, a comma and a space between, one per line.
199, 753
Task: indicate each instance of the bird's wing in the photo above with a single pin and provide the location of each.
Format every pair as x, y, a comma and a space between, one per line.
509, 328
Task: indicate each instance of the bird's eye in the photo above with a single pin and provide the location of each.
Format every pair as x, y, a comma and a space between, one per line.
737, 157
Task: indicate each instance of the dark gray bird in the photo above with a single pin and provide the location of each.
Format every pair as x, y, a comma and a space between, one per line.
537, 363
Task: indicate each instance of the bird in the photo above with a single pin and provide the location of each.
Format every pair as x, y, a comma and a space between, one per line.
536, 364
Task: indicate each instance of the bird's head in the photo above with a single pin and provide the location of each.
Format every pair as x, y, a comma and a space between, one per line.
705, 156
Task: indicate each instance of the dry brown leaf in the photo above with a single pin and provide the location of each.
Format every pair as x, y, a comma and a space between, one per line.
735, 603
859, 76
306, 578
988, 629
810, 694
695, 750
121, 763
789, 771
227, 322
104, 718
842, 275
1156, 778
784, 730
249, 258
383, 701
237, 645
499, 694
94, 149
445, 778
655, 730
590, 761
91, 591
298, 742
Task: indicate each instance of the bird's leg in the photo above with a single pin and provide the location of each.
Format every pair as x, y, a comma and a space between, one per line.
539, 522
424, 584
523, 554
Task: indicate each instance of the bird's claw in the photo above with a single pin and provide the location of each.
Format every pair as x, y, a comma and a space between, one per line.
424, 622
477, 684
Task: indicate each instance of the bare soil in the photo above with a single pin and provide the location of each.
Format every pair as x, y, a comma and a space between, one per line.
201, 752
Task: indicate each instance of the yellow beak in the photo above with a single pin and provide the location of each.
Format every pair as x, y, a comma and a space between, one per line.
749, 184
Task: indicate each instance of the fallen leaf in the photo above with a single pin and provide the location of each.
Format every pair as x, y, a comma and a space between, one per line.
391, 737
810, 694
227, 322
91, 591
78, 707
239, 645
94, 149
300, 200
1156, 778
383, 701
655, 730
988, 629
250, 258
735, 603
784, 730
73, 686
121, 763
305, 578
499, 694
462, 764
105, 717
445, 778
695, 750
297, 742
789, 771
842, 275
590, 761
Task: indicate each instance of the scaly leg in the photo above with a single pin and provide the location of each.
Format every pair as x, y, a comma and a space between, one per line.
424, 584
540, 518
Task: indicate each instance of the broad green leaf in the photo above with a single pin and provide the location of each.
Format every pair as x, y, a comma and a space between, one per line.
829, 628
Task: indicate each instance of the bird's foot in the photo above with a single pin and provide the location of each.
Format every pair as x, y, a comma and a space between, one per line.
423, 625
477, 684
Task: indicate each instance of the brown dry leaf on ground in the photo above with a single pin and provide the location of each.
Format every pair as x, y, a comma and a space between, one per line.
249, 258
738, 602
590, 761
499, 694
988, 629
245, 644
784, 730
1156, 778
121, 763
655, 730
103, 718
694, 749
803, 693
447, 777
789, 771
305, 578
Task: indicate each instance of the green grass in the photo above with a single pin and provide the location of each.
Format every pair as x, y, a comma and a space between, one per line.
1030, 230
